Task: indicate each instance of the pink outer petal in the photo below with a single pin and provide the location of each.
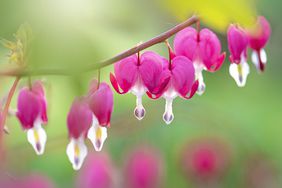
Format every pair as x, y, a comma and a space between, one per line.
98, 172
237, 42
218, 64
38, 88
29, 108
258, 40
192, 91
209, 49
126, 72
101, 104
152, 96
150, 69
93, 86
143, 169
185, 43
79, 118
115, 84
183, 75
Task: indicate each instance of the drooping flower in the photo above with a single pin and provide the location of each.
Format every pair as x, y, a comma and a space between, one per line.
32, 113
79, 121
203, 49
257, 41
143, 169
180, 73
100, 100
137, 75
205, 160
237, 44
98, 171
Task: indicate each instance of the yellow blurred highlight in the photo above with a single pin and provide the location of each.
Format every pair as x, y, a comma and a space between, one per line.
217, 14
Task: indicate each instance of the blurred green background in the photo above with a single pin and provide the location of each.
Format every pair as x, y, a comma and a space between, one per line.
70, 33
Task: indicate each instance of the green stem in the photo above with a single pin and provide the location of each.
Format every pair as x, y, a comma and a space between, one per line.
65, 72
6, 110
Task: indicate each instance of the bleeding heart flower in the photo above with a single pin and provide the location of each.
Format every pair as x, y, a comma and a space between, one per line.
98, 172
257, 41
34, 180
206, 160
79, 121
237, 44
100, 100
180, 73
203, 49
137, 75
31, 112
143, 169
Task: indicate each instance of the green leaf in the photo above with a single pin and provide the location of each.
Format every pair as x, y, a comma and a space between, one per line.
217, 14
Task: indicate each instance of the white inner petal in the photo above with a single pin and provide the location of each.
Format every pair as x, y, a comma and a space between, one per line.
240, 72
76, 151
263, 56
139, 90
199, 76
139, 110
37, 137
97, 134
255, 59
168, 114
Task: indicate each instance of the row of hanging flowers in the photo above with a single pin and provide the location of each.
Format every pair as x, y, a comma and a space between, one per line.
181, 75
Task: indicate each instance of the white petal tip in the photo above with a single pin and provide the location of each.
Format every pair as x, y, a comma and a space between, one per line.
259, 59
98, 145
76, 151
97, 135
201, 89
168, 118
39, 150
239, 72
37, 138
139, 112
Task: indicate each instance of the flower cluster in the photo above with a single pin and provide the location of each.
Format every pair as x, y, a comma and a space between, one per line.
180, 75
239, 40
89, 116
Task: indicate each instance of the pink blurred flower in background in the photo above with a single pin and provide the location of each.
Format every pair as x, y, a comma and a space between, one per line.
237, 44
79, 121
34, 180
260, 172
258, 37
143, 169
203, 49
98, 172
32, 113
100, 100
137, 75
205, 161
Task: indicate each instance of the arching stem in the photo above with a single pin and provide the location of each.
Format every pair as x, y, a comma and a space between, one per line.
198, 28
99, 78
170, 52
67, 72
6, 109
